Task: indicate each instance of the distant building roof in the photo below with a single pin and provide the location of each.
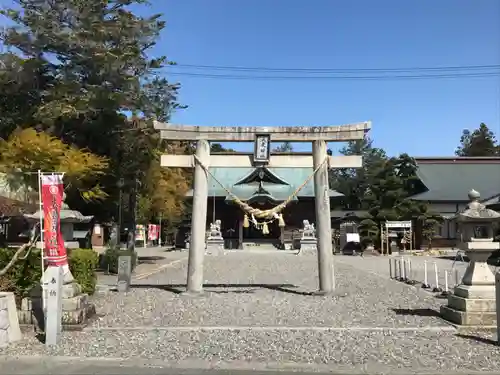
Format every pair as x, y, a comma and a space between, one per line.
346, 214
287, 180
450, 179
11, 207
492, 201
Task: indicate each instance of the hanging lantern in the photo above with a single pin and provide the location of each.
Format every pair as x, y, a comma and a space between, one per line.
246, 224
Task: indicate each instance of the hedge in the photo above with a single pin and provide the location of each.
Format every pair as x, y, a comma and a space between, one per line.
109, 260
83, 264
26, 272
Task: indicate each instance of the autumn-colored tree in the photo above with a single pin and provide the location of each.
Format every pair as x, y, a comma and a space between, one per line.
74, 68
27, 151
163, 194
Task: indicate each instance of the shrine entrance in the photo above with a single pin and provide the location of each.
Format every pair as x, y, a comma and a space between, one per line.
255, 237
316, 166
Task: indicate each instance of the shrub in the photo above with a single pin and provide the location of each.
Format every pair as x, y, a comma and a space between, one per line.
83, 264
110, 259
27, 271
23, 275
368, 231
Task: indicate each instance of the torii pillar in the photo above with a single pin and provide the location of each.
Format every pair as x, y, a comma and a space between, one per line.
319, 136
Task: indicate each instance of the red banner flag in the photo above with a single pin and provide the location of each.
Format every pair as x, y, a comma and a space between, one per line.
52, 199
153, 231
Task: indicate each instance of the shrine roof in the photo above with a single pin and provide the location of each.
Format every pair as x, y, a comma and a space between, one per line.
11, 207
450, 179
293, 177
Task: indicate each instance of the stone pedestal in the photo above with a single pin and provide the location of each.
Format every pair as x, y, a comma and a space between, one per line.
215, 245
370, 250
9, 323
75, 304
308, 245
473, 302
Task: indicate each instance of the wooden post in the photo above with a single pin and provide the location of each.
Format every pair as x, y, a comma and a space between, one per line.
240, 234
53, 313
198, 220
497, 295
323, 221
381, 240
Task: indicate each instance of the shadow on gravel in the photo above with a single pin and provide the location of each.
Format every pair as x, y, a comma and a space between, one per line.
40, 337
417, 312
476, 338
149, 260
250, 288
463, 259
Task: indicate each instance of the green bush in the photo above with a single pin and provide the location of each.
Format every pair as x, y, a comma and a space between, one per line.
83, 264
110, 259
23, 275
26, 272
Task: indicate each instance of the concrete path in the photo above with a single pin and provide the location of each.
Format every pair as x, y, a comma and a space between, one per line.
69, 365
151, 260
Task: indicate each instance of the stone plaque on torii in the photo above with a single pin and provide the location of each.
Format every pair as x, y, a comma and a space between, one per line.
262, 138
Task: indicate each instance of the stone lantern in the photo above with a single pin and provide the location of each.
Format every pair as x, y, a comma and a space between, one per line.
473, 301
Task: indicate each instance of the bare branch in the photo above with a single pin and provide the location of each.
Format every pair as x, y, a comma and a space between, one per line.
27, 246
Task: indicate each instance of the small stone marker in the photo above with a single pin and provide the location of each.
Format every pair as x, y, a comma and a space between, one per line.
124, 272
53, 312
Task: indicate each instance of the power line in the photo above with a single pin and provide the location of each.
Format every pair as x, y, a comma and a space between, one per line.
337, 77
336, 70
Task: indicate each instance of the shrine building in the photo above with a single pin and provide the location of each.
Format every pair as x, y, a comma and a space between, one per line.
262, 187
448, 180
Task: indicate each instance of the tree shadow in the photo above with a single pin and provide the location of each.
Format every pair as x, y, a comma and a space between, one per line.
149, 259
212, 288
476, 338
41, 337
418, 312
463, 259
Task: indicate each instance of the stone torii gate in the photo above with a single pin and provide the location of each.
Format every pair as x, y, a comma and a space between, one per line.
262, 136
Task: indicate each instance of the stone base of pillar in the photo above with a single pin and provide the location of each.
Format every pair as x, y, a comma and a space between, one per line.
308, 245
471, 305
215, 246
370, 250
77, 309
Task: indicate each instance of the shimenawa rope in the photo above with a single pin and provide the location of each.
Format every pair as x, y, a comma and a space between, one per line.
272, 213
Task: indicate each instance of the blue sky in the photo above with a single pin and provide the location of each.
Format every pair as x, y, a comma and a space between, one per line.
421, 117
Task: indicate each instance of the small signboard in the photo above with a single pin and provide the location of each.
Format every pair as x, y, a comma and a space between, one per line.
398, 224
140, 232
262, 149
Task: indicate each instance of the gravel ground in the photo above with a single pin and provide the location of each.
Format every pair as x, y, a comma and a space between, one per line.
371, 324
268, 290
365, 351
380, 265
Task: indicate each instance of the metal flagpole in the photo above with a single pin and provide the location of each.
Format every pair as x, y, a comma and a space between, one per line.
159, 231
40, 210
42, 243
